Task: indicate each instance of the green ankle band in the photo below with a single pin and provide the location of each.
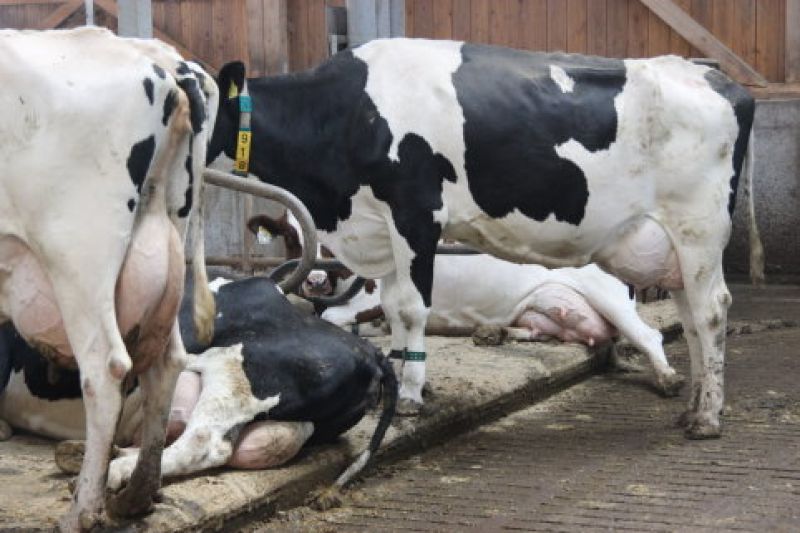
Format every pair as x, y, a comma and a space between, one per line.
414, 356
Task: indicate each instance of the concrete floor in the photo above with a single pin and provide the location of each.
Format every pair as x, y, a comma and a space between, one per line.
605, 455
470, 386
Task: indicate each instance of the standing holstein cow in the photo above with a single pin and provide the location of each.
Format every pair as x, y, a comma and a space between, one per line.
101, 139
542, 158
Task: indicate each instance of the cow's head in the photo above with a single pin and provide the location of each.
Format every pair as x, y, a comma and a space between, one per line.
230, 80
318, 283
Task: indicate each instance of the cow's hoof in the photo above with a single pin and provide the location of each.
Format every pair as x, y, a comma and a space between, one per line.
89, 520
670, 386
686, 419
5, 430
328, 498
69, 456
701, 431
489, 336
408, 407
128, 503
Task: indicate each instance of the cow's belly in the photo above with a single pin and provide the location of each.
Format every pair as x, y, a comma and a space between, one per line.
29, 301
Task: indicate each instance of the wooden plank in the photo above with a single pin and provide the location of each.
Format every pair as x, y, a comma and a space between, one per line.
110, 7
596, 27
744, 30
792, 60
722, 23
59, 15
658, 36
533, 28
410, 10
276, 38
255, 38
704, 41
443, 19
479, 21
576, 26
29, 2
497, 34
769, 39
462, 17
617, 37
316, 34
638, 27
556, 25
511, 14
297, 25
679, 45
423, 18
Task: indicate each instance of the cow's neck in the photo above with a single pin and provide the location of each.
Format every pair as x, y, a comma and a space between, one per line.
300, 137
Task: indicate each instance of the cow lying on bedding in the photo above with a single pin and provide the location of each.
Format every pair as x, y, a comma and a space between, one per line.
529, 301
274, 378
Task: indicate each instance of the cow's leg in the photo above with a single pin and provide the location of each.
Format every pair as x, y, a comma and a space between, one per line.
622, 314
103, 363
703, 305
157, 388
405, 309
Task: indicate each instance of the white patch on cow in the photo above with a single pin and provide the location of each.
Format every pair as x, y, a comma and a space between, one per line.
226, 403
398, 68
562, 79
217, 283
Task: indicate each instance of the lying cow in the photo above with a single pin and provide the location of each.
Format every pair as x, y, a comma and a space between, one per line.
555, 159
101, 139
529, 301
274, 379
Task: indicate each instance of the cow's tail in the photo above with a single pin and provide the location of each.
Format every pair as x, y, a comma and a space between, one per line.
389, 387
756, 247
204, 308
330, 497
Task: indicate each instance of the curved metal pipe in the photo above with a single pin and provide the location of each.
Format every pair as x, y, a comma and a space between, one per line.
301, 213
323, 264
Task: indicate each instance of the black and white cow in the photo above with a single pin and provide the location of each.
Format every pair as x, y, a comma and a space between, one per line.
273, 379
101, 139
544, 158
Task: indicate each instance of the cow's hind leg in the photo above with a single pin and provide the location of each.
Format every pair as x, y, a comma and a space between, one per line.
143, 481
703, 305
103, 363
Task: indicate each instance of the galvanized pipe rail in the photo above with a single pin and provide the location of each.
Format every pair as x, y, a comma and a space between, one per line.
271, 192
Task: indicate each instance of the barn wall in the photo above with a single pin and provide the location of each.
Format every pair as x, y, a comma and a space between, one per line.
753, 29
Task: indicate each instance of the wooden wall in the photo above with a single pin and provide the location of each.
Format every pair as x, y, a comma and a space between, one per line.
753, 29
278, 35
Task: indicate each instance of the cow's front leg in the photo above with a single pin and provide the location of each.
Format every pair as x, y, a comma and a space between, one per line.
143, 481
407, 313
703, 306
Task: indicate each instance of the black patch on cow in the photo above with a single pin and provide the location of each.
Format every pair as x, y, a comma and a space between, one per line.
159, 72
169, 105
148, 89
187, 206
42, 381
515, 115
319, 135
197, 104
744, 108
131, 205
183, 69
139, 161
322, 373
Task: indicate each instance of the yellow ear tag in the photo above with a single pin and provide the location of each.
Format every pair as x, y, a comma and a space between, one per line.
233, 91
263, 236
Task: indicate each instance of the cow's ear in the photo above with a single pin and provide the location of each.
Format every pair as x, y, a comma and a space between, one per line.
231, 79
